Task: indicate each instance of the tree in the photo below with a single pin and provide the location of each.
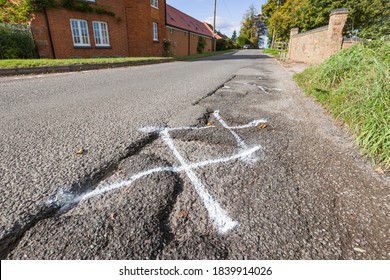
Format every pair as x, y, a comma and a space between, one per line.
367, 18
243, 40
290, 14
15, 11
234, 36
248, 26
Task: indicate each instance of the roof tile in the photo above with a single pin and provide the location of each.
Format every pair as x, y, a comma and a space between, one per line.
178, 19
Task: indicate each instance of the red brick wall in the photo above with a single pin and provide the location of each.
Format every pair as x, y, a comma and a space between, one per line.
140, 18
181, 40
186, 43
41, 36
194, 43
130, 31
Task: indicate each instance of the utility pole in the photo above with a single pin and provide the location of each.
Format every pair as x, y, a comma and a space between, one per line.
215, 19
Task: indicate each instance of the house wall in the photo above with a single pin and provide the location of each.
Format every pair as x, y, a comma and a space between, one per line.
316, 45
130, 31
186, 42
140, 17
194, 43
180, 38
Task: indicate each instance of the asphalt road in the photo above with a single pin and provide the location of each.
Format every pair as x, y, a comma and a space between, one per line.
290, 186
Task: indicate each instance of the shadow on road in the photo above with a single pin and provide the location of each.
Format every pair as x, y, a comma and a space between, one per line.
232, 56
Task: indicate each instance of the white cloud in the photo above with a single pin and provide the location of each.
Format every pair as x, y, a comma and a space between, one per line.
225, 26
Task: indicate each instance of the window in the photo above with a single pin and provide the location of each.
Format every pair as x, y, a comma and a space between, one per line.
100, 32
154, 3
80, 32
155, 31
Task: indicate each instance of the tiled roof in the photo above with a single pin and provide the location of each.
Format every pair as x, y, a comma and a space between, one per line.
178, 19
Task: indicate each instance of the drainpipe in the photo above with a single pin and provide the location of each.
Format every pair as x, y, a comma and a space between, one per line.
215, 17
49, 32
189, 43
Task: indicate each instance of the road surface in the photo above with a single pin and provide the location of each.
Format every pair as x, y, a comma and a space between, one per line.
220, 158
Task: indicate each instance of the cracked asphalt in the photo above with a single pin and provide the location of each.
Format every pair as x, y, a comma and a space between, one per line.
305, 193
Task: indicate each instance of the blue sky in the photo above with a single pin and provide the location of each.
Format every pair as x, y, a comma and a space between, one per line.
229, 12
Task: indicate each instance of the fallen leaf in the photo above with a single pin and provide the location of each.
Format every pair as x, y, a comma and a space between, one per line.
183, 214
209, 123
113, 216
379, 170
353, 216
262, 126
359, 250
80, 152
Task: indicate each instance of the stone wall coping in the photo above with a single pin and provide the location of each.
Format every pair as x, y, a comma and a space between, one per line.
339, 11
319, 29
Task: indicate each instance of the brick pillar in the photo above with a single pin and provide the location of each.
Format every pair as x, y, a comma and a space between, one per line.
293, 31
337, 21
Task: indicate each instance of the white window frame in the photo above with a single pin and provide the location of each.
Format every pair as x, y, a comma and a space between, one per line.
79, 34
100, 34
155, 31
154, 3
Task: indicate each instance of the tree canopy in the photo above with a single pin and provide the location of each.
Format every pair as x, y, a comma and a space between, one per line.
15, 11
248, 26
366, 18
252, 27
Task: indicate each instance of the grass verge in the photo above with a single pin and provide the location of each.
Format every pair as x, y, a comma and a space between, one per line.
354, 85
25, 63
273, 52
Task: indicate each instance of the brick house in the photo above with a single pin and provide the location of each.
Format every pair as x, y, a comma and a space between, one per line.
126, 28
185, 31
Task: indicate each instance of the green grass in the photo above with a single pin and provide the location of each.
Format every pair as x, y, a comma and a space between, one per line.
201, 55
23, 63
354, 85
273, 52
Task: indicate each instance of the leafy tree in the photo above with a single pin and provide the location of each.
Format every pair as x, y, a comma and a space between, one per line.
367, 18
15, 11
234, 36
290, 14
248, 26
370, 18
242, 40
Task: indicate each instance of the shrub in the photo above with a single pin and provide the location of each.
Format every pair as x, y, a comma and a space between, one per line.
201, 44
169, 47
16, 42
222, 45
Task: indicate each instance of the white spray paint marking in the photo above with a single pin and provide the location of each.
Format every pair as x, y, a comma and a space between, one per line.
239, 141
260, 87
219, 216
221, 219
